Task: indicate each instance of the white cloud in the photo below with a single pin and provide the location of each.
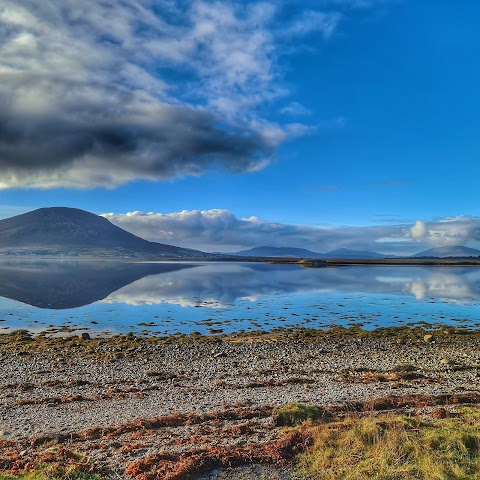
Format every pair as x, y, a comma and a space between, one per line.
419, 230
315, 21
295, 109
101, 93
451, 231
221, 230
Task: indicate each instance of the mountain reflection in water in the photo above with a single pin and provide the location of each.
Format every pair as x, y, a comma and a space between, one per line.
71, 284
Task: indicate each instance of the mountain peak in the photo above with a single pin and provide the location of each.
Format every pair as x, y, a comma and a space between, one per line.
266, 251
71, 231
444, 252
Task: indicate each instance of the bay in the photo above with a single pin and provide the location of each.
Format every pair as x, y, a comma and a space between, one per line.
106, 297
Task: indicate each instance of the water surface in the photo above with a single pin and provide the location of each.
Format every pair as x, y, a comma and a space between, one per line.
106, 297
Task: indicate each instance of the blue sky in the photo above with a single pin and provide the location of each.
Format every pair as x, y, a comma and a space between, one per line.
310, 116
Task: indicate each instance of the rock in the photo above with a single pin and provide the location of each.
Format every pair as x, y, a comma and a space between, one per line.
428, 338
4, 433
86, 336
446, 361
404, 367
220, 354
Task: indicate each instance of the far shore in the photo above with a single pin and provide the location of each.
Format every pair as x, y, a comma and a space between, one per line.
303, 262
328, 262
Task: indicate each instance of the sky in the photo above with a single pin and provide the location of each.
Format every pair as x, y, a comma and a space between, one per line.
224, 125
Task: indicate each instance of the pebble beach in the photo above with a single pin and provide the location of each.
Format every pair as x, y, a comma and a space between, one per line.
124, 400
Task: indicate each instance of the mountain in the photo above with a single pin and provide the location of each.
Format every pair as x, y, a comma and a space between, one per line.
303, 253
347, 253
277, 252
73, 232
444, 252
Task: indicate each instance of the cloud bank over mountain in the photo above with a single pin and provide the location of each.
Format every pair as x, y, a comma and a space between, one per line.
103, 93
448, 231
222, 230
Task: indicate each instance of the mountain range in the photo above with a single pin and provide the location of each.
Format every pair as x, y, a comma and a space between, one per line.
70, 232
303, 253
445, 252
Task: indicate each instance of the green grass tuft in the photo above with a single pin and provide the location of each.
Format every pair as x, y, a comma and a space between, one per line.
394, 447
54, 472
293, 414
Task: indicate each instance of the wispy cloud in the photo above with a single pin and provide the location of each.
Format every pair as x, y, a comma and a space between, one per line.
314, 21
295, 109
391, 218
392, 182
101, 93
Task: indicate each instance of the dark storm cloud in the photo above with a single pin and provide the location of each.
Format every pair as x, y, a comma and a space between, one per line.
102, 93
175, 141
99, 93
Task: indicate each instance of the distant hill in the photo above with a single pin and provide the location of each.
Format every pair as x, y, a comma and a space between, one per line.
444, 252
347, 253
73, 232
303, 253
277, 252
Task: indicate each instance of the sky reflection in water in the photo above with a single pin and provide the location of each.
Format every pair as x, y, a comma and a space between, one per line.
114, 297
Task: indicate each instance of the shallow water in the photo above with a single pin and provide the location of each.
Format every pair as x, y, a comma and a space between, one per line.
162, 298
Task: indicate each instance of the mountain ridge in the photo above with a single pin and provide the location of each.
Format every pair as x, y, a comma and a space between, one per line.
267, 251
445, 252
68, 231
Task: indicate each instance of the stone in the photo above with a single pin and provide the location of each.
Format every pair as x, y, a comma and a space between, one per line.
86, 336
428, 338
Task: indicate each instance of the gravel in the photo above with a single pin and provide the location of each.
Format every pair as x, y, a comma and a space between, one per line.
72, 393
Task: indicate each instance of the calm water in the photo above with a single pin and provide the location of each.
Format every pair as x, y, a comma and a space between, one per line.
159, 298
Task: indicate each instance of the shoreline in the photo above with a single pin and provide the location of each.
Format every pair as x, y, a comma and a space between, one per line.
303, 262
217, 392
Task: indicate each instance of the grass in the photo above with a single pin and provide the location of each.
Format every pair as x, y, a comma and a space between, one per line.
293, 414
41, 475
441, 445
54, 472
394, 447
54, 463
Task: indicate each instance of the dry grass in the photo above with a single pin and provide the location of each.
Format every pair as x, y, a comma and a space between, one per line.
394, 447
58, 471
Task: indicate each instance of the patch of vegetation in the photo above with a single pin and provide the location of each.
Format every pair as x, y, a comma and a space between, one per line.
394, 447
54, 471
110, 349
293, 414
54, 463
